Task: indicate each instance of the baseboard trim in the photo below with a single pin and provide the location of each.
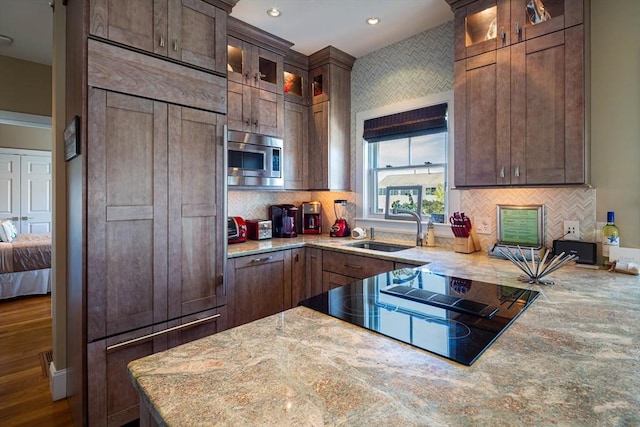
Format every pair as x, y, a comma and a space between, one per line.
57, 382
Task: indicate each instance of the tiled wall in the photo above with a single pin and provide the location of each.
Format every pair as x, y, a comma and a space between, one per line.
416, 67
255, 204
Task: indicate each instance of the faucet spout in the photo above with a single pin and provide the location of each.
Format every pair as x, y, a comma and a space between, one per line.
415, 216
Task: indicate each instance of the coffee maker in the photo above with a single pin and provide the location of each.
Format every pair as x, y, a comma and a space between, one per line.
311, 216
283, 220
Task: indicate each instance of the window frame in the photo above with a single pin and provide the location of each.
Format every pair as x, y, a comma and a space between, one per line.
364, 217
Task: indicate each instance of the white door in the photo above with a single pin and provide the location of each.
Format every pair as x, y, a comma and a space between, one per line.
35, 194
10, 188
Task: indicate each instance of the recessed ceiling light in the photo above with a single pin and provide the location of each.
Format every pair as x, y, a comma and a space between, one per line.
373, 21
5, 40
273, 12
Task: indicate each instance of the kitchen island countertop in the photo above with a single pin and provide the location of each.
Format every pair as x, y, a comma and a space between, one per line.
573, 358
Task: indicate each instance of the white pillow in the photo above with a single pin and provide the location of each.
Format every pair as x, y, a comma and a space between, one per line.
3, 235
10, 231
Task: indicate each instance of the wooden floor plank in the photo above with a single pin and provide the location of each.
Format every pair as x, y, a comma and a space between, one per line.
25, 332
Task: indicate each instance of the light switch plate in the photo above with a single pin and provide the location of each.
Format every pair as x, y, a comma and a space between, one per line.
482, 225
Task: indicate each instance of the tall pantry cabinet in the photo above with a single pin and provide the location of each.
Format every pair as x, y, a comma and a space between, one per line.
147, 80
519, 92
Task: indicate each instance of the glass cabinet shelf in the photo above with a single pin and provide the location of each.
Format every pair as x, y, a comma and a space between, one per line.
293, 84
234, 59
481, 26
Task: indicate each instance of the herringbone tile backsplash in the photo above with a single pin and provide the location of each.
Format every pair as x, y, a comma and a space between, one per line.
561, 204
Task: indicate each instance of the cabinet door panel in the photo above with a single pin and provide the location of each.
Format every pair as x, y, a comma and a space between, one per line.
314, 272
239, 111
130, 22
318, 137
197, 34
547, 96
267, 112
298, 276
260, 286
295, 148
126, 213
195, 201
111, 394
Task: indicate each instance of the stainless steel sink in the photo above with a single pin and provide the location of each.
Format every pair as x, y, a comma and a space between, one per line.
379, 246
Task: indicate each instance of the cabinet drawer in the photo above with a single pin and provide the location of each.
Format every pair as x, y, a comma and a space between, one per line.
252, 260
354, 265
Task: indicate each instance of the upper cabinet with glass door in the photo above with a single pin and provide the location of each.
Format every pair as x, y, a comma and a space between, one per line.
254, 66
485, 25
535, 18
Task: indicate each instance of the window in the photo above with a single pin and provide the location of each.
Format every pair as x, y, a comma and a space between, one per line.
408, 149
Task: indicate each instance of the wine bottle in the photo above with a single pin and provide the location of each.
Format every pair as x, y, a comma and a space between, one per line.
610, 237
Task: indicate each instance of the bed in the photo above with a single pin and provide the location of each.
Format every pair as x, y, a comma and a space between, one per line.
25, 265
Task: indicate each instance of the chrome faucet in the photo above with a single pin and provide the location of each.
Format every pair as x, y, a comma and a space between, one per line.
419, 236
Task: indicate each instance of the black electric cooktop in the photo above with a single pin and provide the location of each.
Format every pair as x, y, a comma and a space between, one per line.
453, 317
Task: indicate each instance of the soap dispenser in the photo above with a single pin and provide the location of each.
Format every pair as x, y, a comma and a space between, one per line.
431, 237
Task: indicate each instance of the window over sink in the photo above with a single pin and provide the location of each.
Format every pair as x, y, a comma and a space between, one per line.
406, 144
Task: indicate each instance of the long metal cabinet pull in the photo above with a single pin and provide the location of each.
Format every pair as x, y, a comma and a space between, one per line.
262, 259
161, 40
357, 267
162, 332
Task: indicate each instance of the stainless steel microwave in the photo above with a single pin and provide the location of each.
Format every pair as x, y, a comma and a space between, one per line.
254, 160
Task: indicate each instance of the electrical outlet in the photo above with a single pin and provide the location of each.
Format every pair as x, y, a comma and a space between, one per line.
571, 230
482, 225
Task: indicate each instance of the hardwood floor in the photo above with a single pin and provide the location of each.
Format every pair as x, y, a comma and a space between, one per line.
25, 332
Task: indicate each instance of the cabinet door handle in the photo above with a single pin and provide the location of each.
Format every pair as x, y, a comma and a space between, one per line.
175, 45
503, 36
517, 171
26, 218
502, 172
256, 78
255, 122
162, 332
262, 259
357, 267
517, 29
13, 218
162, 43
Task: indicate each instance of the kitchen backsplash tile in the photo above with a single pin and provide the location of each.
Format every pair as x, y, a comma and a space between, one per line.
566, 203
255, 204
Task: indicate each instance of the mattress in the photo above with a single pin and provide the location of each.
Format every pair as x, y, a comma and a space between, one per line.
25, 253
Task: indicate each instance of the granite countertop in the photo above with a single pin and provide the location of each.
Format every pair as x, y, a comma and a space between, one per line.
573, 358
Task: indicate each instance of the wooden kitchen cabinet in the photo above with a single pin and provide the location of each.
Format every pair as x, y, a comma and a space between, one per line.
313, 272
484, 25
330, 120
296, 146
255, 73
339, 268
189, 31
255, 110
153, 175
296, 77
298, 276
259, 286
520, 111
253, 65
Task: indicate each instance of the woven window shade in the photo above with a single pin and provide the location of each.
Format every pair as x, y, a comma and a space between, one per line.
422, 121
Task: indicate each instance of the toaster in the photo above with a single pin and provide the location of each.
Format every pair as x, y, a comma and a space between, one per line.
259, 229
236, 229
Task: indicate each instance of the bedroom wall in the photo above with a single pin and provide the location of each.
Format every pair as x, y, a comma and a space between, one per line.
25, 138
25, 86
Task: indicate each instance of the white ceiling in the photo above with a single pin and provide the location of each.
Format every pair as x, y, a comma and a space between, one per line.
30, 24
314, 24
310, 24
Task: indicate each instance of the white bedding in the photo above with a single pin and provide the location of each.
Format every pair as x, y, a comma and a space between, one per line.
31, 282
